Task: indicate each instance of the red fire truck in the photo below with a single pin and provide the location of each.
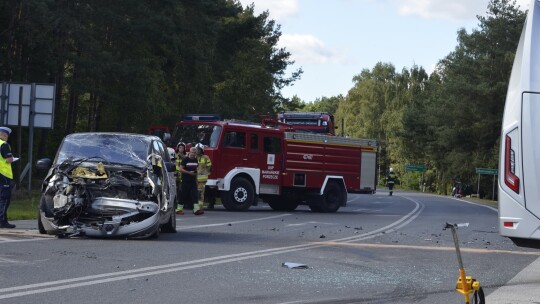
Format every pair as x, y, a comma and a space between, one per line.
315, 122
283, 168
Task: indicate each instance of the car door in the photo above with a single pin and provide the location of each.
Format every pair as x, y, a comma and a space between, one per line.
234, 150
167, 178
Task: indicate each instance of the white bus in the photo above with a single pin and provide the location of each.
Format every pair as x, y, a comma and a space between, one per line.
519, 164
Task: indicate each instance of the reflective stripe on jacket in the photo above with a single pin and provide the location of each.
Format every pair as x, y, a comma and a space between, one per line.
204, 168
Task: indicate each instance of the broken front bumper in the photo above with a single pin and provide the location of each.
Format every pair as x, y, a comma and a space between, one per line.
121, 224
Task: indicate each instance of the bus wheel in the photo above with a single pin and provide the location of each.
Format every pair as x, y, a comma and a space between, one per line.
240, 197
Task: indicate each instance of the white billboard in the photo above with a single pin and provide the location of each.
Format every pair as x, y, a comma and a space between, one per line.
18, 102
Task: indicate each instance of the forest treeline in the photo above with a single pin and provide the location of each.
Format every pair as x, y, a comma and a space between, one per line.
450, 120
123, 65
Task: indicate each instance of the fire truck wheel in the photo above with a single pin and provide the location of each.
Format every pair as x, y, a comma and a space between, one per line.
332, 198
281, 204
240, 197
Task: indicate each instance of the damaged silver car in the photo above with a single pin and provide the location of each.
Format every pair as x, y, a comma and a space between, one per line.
108, 185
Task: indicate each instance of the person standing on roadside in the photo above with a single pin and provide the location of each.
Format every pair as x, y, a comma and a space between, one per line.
391, 179
204, 169
6, 176
180, 155
188, 168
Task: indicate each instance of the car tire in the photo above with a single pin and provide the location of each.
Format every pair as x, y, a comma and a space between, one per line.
170, 226
240, 197
41, 229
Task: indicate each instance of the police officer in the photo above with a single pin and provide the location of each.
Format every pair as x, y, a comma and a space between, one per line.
6, 176
391, 180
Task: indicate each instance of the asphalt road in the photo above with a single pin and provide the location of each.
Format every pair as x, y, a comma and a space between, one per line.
378, 249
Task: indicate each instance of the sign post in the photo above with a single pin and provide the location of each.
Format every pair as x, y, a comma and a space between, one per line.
417, 168
27, 105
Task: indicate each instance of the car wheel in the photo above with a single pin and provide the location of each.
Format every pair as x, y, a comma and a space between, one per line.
170, 226
42, 208
41, 229
240, 197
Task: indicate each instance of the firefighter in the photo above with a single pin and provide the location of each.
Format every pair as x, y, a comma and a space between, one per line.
180, 155
391, 179
180, 151
203, 170
188, 168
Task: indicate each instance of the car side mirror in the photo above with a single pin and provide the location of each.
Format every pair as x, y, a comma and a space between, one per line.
44, 163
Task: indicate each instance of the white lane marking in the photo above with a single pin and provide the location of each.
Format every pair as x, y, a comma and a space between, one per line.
227, 223
353, 199
7, 260
306, 223
11, 292
25, 240
477, 204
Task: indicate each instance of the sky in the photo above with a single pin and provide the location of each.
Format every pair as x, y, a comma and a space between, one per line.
334, 40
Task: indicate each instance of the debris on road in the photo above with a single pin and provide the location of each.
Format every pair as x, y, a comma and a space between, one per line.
291, 265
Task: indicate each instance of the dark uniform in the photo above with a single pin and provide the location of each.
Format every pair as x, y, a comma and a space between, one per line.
190, 194
391, 180
6, 178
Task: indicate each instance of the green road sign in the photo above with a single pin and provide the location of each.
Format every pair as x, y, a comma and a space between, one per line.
411, 167
487, 171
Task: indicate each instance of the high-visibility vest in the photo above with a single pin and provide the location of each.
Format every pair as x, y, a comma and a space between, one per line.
5, 167
204, 168
391, 178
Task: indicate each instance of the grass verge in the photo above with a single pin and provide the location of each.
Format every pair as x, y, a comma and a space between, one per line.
24, 205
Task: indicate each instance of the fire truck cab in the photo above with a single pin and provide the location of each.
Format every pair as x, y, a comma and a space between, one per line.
284, 169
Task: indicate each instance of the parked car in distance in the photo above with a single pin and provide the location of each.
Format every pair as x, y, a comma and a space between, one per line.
108, 185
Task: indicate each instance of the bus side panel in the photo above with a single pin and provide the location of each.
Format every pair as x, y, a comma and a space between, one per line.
519, 163
531, 151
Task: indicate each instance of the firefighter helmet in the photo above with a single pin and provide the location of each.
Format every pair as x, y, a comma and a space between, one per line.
181, 144
391, 170
199, 146
171, 152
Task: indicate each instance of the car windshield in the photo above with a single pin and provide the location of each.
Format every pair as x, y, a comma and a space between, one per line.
206, 134
110, 148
